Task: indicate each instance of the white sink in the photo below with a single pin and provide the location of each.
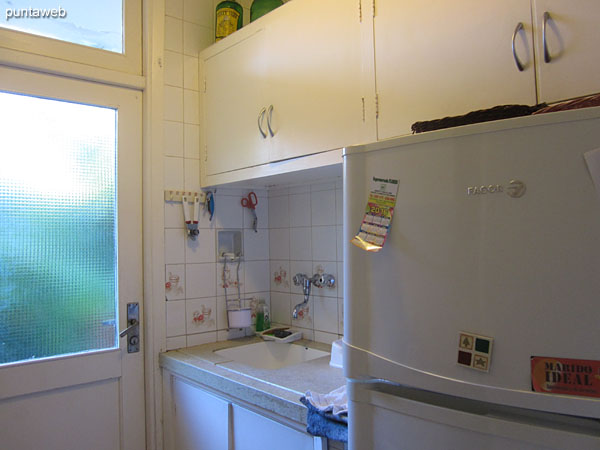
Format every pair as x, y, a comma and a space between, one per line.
270, 355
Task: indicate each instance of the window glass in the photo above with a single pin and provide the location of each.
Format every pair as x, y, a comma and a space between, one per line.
58, 234
97, 24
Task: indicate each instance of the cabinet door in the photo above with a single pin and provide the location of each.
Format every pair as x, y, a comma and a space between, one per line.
232, 104
436, 58
201, 420
572, 40
316, 80
252, 431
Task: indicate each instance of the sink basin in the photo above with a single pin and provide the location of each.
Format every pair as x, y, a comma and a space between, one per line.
270, 355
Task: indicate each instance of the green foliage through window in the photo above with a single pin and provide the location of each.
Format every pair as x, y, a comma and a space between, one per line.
58, 234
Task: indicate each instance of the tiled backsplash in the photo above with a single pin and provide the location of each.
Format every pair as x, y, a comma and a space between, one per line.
299, 231
305, 226
195, 288
299, 228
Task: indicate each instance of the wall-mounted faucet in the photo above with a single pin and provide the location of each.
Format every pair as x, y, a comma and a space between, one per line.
319, 280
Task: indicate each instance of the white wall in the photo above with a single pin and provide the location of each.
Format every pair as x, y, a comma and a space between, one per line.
299, 227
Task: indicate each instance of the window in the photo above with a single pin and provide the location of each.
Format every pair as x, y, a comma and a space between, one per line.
94, 24
97, 33
58, 232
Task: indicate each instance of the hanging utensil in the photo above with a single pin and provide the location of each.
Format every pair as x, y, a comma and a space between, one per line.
250, 202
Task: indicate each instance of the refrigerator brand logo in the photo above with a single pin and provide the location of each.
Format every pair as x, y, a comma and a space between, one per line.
515, 189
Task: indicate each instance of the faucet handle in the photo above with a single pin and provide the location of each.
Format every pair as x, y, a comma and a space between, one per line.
299, 279
324, 280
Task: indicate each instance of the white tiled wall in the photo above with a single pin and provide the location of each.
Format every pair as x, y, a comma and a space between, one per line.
194, 290
299, 227
305, 236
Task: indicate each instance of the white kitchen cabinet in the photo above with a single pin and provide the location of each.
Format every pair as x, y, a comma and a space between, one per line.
199, 420
234, 83
251, 431
572, 41
292, 83
316, 81
195, 419
436, 58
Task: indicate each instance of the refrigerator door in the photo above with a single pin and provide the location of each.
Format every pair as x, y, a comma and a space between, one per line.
392, 417
523, 270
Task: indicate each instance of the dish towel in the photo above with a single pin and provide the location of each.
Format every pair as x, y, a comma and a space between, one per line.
327, 414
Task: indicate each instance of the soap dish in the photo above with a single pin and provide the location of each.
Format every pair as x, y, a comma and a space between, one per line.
281, 334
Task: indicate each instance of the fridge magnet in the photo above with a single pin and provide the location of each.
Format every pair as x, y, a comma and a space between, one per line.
565, 376
376, 222
474, 351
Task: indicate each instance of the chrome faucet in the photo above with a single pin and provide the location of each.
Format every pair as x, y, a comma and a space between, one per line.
319, 280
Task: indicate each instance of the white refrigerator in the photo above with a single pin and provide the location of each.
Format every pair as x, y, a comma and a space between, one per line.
477, 325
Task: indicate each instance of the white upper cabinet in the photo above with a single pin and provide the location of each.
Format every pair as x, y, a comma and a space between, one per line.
290, 84
571, 67
234, 80
436, 58
316, 84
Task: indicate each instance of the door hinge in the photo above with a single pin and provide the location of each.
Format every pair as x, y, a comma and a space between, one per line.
205, 86
205, 152
374, 9
363, 110
377, 106
360, 11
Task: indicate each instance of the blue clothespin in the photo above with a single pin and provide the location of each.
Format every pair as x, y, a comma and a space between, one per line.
210, 204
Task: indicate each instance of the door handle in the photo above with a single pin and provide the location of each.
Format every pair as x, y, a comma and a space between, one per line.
261, 118
547, 57
269, 119
514, 51
133, 328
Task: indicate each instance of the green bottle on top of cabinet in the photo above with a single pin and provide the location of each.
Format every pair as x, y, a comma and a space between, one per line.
260, 7
229, 17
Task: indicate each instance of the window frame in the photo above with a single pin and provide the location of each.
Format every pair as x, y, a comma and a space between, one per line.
51, 55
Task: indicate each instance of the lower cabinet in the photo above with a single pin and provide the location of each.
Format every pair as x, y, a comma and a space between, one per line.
195, 419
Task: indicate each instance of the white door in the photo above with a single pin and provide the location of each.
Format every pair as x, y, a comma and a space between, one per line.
70, 261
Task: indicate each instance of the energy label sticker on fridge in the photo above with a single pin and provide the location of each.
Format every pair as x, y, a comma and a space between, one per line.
376, 222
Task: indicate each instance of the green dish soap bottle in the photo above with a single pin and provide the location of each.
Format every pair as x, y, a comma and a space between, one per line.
260, 7
229, 17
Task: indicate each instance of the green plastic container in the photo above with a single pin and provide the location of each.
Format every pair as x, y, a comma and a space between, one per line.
229, 17
261, 7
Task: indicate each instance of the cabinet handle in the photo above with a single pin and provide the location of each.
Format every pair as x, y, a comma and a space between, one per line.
269, 118
261, 118
547, 57
514, 51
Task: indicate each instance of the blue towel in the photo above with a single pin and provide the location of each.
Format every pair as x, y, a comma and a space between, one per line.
326, 424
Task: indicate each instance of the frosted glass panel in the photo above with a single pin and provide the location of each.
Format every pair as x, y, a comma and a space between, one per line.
97, 24
58, 242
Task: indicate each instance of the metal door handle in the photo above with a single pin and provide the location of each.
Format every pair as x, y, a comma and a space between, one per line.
269, 119
130, 329
514, 51
261, 118
547, 57
133, 328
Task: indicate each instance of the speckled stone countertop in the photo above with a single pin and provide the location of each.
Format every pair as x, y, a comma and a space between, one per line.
275, 390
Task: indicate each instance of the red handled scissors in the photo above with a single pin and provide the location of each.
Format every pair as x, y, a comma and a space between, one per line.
250, 202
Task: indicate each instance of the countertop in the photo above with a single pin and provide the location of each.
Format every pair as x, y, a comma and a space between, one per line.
277, 390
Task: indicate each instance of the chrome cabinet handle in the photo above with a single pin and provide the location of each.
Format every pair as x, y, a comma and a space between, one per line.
547, 57
514, 51
261, 118
269, 119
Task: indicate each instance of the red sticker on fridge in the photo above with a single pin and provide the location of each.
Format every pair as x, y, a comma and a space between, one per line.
565, 376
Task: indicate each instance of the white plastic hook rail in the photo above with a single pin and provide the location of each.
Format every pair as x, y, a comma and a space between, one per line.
191, 213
